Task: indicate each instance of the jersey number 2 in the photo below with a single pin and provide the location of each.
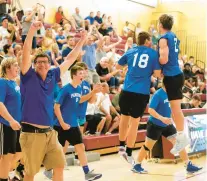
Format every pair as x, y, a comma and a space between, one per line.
143, 60
176, 41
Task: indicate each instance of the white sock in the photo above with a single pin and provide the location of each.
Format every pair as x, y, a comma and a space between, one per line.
180, 132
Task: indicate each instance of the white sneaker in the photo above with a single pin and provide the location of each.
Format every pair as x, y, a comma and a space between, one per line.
124, 155
181, 142
11, 174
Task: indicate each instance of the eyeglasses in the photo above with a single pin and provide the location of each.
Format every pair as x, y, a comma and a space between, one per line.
44, 62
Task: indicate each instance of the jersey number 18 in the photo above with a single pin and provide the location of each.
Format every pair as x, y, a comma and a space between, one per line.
143, 60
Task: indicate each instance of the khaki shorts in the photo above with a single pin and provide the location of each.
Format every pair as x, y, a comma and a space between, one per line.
41, 148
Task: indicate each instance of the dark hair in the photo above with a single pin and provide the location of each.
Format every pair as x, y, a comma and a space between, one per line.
74, 70
166, 21
82, 64
196, 97
42, 55
6, 48
191, 57
142, 37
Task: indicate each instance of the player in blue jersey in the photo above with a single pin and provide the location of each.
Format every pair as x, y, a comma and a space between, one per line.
160, 124
173, 77
142, 62
10, 115
66, 109
86, 95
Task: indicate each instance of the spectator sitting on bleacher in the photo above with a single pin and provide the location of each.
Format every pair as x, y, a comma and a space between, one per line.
4, 34
109, 23
48, 40
187, 95
102, 69
59, 15
70, 46
196, 72
129, 44
126, 29
14, 32
107, 109
90, 18
98, 17
138, 29
103, 29
9, 51
60, 38
191, 60
195, 102
78, 18
67, 30
55, 55
95, 121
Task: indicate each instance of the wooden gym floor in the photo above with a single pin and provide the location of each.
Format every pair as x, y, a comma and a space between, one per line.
114, 168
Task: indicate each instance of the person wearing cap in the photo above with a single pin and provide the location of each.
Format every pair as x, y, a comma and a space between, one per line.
4, 34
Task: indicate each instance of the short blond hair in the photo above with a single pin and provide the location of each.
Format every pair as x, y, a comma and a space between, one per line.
6, 64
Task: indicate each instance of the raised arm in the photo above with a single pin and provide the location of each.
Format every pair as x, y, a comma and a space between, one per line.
97, 88
26, 61
72, 56
163, 51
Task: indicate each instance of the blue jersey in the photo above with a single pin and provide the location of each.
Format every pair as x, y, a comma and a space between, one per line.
171, 68
85, 86
11, 98
161, 105
141, 61
69, 98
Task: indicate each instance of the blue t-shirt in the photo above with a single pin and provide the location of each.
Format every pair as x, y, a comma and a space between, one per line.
66, 51
85, 86
141, 61
58, 37
90, 56
10, 96
161, 105
171, 68
69, 98
98, 19
91, 19
38, 96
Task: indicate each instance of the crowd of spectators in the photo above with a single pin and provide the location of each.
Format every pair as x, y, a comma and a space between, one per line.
100, 52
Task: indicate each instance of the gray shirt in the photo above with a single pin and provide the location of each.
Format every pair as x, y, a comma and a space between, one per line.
26, 25
2, 8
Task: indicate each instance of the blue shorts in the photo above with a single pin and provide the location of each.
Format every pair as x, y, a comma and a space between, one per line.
81, 121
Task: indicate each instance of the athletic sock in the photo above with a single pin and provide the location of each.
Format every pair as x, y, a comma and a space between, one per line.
86, 169
129, 151
122, 143
180, 132
76, 156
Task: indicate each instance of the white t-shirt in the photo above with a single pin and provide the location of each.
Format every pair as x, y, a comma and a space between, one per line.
105, 102
4, 33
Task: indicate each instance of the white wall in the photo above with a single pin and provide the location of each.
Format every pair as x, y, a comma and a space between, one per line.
120, 10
